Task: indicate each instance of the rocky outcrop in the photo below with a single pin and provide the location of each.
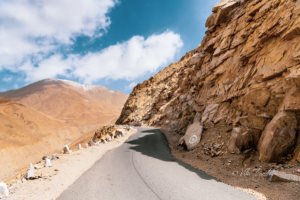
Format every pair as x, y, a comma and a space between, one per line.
108, 133
243, 81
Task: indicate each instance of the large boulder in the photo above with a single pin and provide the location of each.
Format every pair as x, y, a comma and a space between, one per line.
192, 136
278, 137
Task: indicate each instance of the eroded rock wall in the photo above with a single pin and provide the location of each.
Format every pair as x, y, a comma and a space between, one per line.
245, 76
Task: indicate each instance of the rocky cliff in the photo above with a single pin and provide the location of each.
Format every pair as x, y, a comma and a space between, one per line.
241, 85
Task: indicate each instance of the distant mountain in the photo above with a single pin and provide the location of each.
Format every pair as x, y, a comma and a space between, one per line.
27, 134
79, 105
40, 118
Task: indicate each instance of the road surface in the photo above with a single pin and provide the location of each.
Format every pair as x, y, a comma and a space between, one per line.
143, 169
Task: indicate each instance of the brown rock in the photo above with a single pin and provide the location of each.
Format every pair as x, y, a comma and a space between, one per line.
242, 139
278, 136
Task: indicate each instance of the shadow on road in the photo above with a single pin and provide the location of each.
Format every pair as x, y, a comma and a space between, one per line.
154, 144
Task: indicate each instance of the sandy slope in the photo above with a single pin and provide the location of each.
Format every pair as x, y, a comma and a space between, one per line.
26, 135
42, 117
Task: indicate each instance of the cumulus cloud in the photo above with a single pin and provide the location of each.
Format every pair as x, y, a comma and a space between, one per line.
49, 68
127, 60
33, 31
33, 27
130, 59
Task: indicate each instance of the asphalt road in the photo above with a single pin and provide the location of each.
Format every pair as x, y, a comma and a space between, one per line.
142, 169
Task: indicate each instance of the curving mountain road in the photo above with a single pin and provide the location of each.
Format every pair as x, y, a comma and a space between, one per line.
143, 169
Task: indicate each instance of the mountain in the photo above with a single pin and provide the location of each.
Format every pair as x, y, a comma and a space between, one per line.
27, 134
78, 105
40, 118
242, 84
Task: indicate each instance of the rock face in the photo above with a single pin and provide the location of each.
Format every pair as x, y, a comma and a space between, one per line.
245, 74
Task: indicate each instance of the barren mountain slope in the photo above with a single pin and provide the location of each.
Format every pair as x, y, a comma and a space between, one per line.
26, 135
242, 84
42, 117
78, 105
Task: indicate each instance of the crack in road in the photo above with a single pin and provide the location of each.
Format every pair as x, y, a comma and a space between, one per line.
141, 177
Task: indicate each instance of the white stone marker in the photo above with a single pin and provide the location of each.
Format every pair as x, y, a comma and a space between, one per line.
193, 135
30, 172
3, 189
108, 138
67, 149
48, 162
79, 147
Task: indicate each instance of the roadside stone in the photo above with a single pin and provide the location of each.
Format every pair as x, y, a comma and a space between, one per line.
3, 190
66, 149
192, 136
30, 172
48, 162
79, 147
277, 176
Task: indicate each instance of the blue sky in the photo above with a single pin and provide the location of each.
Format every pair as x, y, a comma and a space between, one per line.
112, 43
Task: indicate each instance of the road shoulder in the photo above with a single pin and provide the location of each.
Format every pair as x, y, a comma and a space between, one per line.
65, 171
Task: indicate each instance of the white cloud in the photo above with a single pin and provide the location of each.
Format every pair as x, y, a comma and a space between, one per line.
32, 30
128, 60
30, 27
48, 68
